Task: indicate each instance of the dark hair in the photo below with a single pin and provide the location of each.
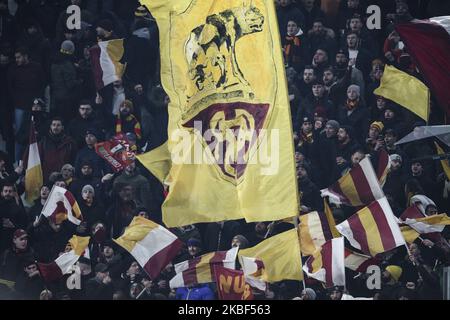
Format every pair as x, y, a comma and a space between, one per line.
57, 118
310, 67
8, 184
85, 102
22, 50
350, 33
329, 68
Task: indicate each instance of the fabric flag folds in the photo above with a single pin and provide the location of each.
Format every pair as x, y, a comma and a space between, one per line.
424, 224
406, 90
280, 255
327, 263
384, 165
63, 264
152, 245
359, 187
33, 174
428, 43
61, 205
229, 116
231, 284
373, 229
358, 262
106, 65
314, 231
201, 269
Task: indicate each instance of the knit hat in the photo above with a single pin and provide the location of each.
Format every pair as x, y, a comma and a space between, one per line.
310, 293
356, 88
193, 242
88, 188
320, 112
394, 271
378, 125
39, 102
68, 166
19, 233
334, 124
349, 130
141, 11
396, 157
106, 25
67, 47
243, 240
128, 103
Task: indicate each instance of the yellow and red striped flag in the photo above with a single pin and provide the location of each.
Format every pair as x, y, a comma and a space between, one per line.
327, 264
33, 174
358, 262
63, 264
314, 231
384, 166
201, 269
373, 229
415, 219
152, 245
359, 187
61, 205
105, 60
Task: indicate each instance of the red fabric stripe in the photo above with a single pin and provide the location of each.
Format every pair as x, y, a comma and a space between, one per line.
190, 275
412, 213
362, 185
327, 260
96, 67
325, 226
383, 161
336, 188
309, 263
161, 259
218, 259
387, 238
50, 271
359, 233
429, 44
69, 196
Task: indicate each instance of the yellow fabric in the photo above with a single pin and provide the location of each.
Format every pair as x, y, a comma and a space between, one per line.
395, 272
281, 257
409, 234
317, 262
445, 163
204, 192
330, 219
311, 233
157, 161
203, 269
79, 244
405, 90
138, 229
349, 189
33, 183
372, 232
115, 51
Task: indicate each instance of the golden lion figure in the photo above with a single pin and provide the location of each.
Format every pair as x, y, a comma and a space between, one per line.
210, 50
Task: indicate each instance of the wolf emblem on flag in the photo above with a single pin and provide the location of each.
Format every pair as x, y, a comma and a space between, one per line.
229, 114
222, 94
211, 49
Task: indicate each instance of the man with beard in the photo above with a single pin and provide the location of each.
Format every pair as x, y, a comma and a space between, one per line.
346, 71
357, 55
126, 121
87, 118
345, 147
56, 149
86, 177
305, 84
12, 214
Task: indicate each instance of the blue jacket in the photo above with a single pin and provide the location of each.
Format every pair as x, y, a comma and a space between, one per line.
200, 292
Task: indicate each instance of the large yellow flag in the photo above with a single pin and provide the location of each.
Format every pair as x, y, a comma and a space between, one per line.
280, 255
405, 90
230, 133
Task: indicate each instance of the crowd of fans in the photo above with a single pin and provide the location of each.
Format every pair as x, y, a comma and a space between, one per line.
333, 65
